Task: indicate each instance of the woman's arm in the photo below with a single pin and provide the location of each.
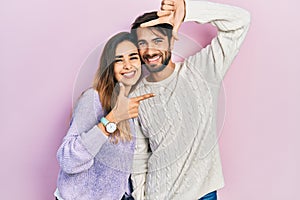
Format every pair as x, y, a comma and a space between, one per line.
84, 138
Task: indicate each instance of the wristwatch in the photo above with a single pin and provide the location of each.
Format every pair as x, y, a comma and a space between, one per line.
110, 127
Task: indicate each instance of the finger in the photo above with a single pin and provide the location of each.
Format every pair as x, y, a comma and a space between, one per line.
143, 97
122, 89
151, 23
163, 13
154, 22
175, 34
135, 115
168, 2
134, 104
167, 8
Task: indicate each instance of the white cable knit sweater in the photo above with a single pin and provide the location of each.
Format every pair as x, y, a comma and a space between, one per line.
180, 121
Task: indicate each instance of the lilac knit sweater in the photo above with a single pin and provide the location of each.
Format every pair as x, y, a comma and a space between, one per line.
91, 166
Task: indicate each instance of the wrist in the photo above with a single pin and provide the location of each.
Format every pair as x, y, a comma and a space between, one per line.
110, 126
102, 128
111, 117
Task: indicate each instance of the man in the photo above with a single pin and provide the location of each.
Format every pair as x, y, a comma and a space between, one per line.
180, 122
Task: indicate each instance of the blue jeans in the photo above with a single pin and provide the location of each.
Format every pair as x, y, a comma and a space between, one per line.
210, 196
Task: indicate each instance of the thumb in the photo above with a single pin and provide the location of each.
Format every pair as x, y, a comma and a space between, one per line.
122, 90
175, 33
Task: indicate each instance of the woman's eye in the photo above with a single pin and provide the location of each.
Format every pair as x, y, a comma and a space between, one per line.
134, 58
118, 61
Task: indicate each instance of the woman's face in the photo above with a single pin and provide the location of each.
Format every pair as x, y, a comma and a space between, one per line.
127, 67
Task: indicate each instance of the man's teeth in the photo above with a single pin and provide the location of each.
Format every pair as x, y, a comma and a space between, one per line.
153, 59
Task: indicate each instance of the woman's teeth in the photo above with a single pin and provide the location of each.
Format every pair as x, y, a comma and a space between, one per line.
129, 74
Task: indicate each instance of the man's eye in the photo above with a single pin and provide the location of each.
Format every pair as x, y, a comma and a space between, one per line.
141, 43
156, 41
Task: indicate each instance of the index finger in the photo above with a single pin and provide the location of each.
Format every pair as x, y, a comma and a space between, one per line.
160, 20
143, 97
152, 23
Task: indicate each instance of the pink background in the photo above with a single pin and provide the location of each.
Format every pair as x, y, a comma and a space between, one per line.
43, 45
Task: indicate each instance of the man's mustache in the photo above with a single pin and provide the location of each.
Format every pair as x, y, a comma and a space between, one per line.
147, 56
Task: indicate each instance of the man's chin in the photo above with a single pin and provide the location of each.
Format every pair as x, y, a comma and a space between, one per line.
155, 68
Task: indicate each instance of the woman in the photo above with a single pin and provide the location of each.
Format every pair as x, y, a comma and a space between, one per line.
96, 155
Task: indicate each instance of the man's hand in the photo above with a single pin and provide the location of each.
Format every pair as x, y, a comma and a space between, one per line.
172, 12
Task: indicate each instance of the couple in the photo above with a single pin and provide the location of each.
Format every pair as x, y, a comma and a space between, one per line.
105, 152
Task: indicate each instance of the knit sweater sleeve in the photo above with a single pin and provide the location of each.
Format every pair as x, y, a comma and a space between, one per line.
232, 24
84, 139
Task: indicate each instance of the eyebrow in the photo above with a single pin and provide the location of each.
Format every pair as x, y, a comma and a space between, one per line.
142, 40
132, 54
119, 56
161, 38
158, 37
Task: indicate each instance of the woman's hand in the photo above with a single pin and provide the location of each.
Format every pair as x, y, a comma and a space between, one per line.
127, 108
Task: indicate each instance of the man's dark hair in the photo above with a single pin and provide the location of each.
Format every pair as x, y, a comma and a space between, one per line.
164, 28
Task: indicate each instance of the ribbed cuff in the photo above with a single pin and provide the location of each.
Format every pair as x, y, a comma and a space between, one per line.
93, 140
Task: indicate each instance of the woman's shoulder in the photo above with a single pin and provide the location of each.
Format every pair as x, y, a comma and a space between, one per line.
87, 96
90, 92
89, 101
92, 95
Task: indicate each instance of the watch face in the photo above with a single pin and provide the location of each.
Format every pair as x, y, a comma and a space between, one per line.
111, 127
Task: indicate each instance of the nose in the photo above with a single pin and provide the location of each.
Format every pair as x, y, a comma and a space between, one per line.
127, 64
150, 49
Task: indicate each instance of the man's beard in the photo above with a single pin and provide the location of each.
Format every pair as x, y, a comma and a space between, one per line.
162, 67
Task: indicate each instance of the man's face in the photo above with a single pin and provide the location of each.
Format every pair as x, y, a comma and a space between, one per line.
154, 49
